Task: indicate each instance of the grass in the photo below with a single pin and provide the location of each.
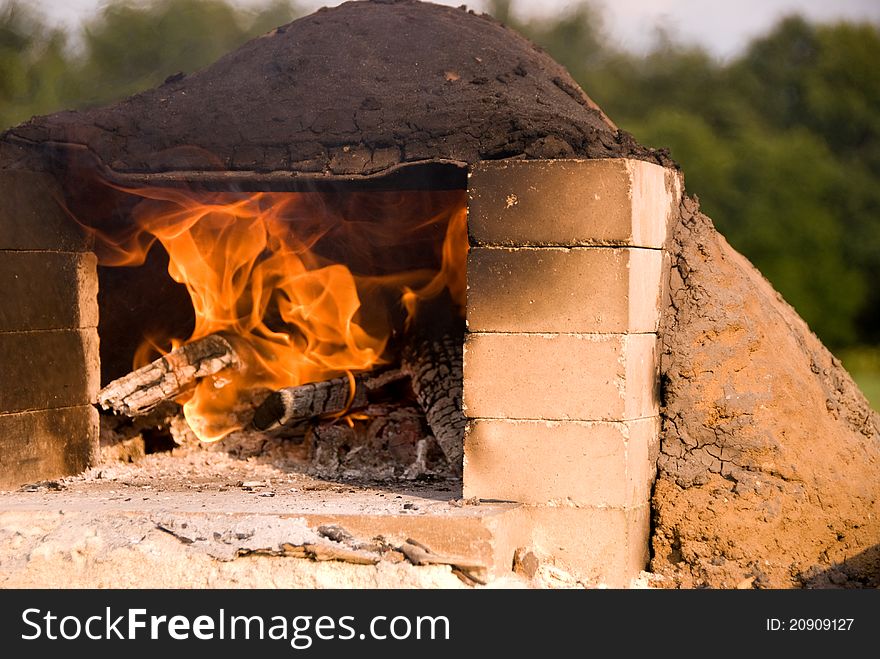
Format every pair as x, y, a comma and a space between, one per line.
863, 363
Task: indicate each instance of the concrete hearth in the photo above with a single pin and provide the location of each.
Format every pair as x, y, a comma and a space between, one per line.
205, 520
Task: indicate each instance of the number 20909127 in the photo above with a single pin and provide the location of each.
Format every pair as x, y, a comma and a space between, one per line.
809, 624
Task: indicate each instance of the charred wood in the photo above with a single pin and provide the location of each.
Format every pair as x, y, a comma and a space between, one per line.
432, 357
164, 379
293, 405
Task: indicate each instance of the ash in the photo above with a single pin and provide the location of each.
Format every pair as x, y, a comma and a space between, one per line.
381, 443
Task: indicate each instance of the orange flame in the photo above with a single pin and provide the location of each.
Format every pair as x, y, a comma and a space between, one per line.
276, 274
453, 270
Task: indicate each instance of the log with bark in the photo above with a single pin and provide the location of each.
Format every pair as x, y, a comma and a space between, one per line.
293, 405
164, 379
432, 356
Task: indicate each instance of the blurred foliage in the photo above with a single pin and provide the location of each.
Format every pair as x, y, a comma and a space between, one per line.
126, 48
781, 144
863, 363
33, 65
133, 46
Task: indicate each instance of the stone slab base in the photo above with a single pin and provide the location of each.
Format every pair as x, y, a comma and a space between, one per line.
113, 534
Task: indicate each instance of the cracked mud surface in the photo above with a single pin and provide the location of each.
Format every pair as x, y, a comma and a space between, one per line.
770, 455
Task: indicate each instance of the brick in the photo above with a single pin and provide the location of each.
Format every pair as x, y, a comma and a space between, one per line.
561, 462
601, 546
32, 217
586, 377
553, 289
48, 290
48, 370
613, 201
46, 444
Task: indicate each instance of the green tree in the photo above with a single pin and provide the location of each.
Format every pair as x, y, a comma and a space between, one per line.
130, 47
126, 48
33, 65
825, 79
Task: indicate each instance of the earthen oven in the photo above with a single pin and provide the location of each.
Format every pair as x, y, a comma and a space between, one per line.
548, 396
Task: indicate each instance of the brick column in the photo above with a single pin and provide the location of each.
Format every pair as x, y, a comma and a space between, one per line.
560, 362
49, 363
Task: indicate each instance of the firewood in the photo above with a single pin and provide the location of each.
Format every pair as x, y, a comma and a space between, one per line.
432, 356
293, 405
169, 376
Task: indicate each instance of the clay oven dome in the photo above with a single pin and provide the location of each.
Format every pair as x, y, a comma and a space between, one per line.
353, 91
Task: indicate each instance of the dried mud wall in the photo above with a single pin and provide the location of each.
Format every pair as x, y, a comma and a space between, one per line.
769, 468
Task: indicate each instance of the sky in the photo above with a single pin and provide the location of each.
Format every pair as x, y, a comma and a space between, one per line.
723, 27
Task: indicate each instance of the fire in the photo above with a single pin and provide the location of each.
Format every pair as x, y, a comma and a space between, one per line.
306, 286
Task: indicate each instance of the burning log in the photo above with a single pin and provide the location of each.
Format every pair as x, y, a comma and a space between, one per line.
433, 359
293, 405
435, 367
169, 376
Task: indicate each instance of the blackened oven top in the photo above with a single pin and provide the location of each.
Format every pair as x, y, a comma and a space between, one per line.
355, 90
